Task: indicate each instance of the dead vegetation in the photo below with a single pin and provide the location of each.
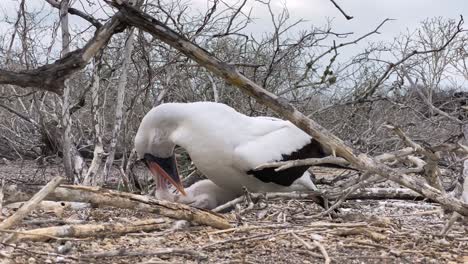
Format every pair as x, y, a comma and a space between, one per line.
273, 228
404, 128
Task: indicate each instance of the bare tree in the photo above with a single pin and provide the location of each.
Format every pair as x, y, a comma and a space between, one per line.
298, 69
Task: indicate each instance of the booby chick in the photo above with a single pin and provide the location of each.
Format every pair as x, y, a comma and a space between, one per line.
202, 194
226, 146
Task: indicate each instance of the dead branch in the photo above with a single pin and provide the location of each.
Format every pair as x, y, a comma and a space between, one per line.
51, 77
432, 171
463, 196
365, 179
262, 236
453, 218
307, 245
393, 65
348, 17
428, 102
154, 252
54, 221
88, 230
384, 194
97, 196
24, 117
317, 225
274, 195
310, 64
357, 192
50, 205
398, 154
228, 204
31, 204
323, 251
27, 250
77, 12
416, 161
360, 231
283, 165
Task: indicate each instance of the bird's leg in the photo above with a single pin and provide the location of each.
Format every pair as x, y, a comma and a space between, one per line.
248, 199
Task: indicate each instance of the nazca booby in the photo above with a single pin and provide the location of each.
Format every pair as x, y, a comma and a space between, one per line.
226, 146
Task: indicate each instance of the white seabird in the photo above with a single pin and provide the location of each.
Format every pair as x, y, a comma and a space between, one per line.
226, 146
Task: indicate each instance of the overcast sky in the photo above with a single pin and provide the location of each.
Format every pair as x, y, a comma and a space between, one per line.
367, 14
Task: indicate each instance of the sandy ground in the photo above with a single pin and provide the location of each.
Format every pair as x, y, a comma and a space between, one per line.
273, 231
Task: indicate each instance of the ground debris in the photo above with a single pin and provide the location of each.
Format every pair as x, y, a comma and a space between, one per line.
270, 231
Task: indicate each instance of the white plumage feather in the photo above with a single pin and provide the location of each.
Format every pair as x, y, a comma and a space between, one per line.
222, 143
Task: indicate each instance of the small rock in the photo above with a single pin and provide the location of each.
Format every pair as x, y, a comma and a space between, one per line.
179, 225
31, 260
316, 237
65, 248
443, 241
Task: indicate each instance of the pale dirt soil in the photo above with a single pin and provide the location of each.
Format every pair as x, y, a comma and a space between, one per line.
384, 232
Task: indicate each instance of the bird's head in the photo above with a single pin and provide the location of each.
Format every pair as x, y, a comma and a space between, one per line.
155, 148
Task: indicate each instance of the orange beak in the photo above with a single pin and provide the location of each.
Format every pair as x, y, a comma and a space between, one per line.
165, 168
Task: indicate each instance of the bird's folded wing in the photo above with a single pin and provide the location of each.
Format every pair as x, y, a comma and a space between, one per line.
283, 139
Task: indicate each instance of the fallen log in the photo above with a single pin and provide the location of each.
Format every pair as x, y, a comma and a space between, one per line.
101, 197
87, 230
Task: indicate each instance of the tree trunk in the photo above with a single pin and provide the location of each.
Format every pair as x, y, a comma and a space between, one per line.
98, 154
120, 103
66, 120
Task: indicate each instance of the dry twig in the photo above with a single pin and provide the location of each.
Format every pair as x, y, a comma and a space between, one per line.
348, 17
31, 204
154, 252
283, 165
362, 183
323, 251
307, 245
432, 171
274, 195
